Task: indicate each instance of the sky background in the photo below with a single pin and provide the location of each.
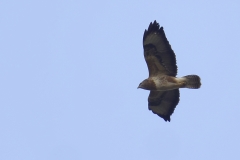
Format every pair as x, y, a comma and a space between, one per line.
70, 70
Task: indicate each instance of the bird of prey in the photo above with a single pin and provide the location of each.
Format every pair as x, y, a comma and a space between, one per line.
162, 81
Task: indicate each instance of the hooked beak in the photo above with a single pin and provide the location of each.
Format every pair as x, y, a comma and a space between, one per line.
139, 87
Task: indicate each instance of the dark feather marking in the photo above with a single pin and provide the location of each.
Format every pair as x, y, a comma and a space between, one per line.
156, 54
157, 101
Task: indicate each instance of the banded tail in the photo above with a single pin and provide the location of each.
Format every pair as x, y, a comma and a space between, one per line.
192, 81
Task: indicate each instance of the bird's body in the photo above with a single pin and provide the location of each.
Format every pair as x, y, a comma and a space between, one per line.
162, 81
165, 82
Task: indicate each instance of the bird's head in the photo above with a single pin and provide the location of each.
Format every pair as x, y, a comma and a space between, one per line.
147, 84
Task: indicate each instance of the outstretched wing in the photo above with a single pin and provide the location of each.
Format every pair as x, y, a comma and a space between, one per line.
158, 53
163, 103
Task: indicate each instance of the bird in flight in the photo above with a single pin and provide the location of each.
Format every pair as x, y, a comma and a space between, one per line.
162, 81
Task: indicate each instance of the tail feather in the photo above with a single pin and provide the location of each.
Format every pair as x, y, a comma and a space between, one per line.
192, 81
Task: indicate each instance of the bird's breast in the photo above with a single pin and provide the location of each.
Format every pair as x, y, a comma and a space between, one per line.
165, 82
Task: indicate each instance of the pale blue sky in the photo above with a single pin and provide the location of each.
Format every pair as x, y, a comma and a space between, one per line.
70, 70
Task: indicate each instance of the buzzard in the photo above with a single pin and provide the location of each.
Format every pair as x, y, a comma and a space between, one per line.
162, 81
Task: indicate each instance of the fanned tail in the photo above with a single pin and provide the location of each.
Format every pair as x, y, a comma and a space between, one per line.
192, 81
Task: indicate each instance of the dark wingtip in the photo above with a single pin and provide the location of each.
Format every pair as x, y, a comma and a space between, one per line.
153, 27
166, 118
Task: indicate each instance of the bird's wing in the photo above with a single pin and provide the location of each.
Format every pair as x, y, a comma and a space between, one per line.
158, 53
163, 103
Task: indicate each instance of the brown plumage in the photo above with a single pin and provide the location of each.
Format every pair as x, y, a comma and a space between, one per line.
162, 81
